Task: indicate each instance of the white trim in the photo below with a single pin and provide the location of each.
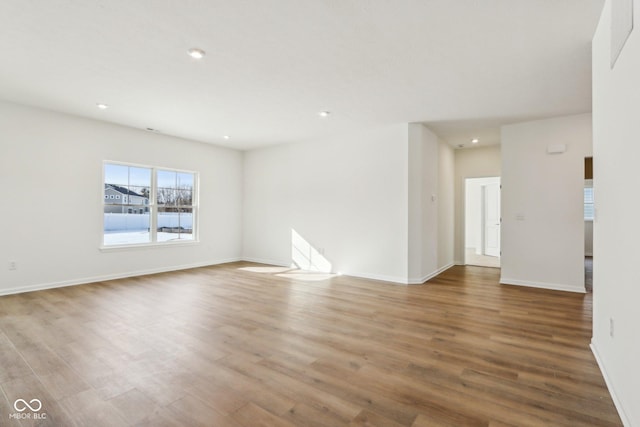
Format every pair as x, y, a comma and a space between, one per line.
616, 401
400, 280
391, 279
543, 285
382, 278
134, 246
267, 261
430, 276
87, 280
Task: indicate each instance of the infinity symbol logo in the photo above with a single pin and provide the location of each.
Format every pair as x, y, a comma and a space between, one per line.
35, 408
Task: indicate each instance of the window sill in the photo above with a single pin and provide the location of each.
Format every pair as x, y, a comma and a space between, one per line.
142, 246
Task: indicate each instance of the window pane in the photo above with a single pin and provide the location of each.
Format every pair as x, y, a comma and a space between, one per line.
184, 197
588, 211
139, 177
122, 227
116, 174
185, 181
588, 195
588, 203
166, 179
126, 212
138, 195
166, 196
175, 188
175, 224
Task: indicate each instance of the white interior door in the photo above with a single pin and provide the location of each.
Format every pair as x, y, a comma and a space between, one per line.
491, 219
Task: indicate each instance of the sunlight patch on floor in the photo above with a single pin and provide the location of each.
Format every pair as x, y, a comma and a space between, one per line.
308, 276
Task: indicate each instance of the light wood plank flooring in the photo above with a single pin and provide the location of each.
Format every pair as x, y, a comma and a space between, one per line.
248, 345
472, 258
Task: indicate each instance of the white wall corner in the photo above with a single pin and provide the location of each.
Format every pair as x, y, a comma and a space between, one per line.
427, 277
278, 263
616, 401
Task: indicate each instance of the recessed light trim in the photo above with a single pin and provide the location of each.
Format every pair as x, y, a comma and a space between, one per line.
475, 140
324, 113
196, 53
102, 106
226, 137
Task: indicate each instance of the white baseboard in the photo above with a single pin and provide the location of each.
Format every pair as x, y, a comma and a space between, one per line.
103, 278
543, 285
391, 279
429, 276
267, 261
616, 401
382, 278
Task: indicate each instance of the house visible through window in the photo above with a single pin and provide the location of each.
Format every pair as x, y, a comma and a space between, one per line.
157, 205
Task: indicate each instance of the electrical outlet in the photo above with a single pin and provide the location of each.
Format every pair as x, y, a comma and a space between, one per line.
13, 265
611, 327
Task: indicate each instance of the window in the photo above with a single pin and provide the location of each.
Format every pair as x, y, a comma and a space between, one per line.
158, 206
588, 200
174, 198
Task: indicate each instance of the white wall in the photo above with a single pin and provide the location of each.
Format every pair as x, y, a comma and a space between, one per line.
446, 207
347, 196
363, 201
471, 163
46, 155
616, 277
430, 232
542, 203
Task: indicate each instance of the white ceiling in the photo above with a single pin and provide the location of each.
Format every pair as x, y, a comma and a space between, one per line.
462, 67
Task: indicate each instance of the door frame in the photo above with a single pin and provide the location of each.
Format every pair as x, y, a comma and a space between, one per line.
477, 230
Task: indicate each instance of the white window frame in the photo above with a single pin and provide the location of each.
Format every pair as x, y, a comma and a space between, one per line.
153, 209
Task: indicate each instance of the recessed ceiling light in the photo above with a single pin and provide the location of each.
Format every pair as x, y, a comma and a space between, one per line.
324, 113
102, 106
196, 53
475, 140
226, 137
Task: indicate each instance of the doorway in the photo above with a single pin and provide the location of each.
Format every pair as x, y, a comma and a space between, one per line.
482, 221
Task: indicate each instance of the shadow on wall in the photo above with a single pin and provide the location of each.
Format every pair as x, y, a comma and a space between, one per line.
306, 257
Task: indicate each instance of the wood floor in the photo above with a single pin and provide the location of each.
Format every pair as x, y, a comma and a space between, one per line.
248, 345
472, 258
